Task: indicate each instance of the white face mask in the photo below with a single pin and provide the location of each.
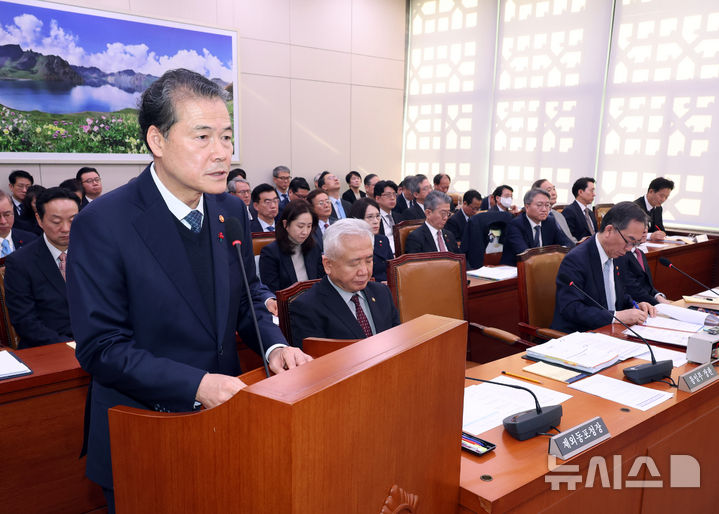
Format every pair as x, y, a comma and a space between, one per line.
506, 202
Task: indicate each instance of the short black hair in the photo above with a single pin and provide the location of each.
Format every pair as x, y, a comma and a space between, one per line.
500, 189
71, 184
262, 188
581, 184
660, 183
438, 178
622, 214
54, 193
16, 174
236, 172
538, 183
470, 195
30, 195
298, 183
83, 170
368, 178
321, 180
352, 174
381, 185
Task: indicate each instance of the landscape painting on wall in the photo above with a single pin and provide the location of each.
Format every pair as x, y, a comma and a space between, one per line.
70, 78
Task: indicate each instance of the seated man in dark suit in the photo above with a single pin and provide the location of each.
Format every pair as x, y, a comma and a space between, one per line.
35, 274
591, 267
10, 238
580, 217
431, 236
480, 232
385, 192
266, 202
91, 183
659, 190
419, 188
470, 206
637, 277
345, 304
502, 200
532, 229
330, 184
404, 197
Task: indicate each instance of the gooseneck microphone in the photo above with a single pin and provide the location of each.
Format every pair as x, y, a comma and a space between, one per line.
527, 424
234, 234
666, 262
641, 373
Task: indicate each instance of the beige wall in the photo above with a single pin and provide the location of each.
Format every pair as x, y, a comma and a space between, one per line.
322, 84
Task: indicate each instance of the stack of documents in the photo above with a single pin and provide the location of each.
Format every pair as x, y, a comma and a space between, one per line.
11, 366
486, 405
494, 272
624, 393
682, 314
586, 351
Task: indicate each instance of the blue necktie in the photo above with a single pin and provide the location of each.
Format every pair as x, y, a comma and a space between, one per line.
340, 211
195, 221
5, 248
270, 229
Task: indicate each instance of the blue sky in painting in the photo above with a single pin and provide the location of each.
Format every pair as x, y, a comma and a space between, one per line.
114, 44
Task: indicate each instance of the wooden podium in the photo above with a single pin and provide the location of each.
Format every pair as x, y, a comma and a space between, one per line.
334, 435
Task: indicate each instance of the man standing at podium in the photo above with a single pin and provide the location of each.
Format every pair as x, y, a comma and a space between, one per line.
154, 285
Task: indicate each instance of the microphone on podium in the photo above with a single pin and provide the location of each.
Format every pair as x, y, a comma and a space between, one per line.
527, 424
641, 373
666, 262
234, 234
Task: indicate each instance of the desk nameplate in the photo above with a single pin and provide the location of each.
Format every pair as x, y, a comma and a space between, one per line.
579, 438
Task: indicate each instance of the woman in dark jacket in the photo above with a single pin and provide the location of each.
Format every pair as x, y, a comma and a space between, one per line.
354, 180
367, 209
293, 256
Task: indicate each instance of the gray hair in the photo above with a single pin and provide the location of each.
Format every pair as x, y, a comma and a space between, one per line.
436, 198
413, 183
344, 229
3, 194
232, 184
529, 195
278, 169
157, 104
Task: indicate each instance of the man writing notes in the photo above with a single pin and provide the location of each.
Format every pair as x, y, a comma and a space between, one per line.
154, 285
591, 267
659, 190
344, 304
532, 229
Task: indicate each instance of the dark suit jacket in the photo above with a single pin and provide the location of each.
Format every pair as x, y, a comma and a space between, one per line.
382, 254
36, 296
84, 202
136, 306
414, 212
637, 281
349, 197
255, 225
421, 240
484, 206
345, 205
456, 224
476, 235
572, 311
27, 223
277, 271
321, 312
655, 215
520, 236
395, 217
21, 237
576, 221
401, 205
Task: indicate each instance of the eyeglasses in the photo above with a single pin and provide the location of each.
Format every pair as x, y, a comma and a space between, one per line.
389, 195
21, 187
632, 243
323, 202
244, 192
284, 177
444, 214
546, 205
270, 201
95, 180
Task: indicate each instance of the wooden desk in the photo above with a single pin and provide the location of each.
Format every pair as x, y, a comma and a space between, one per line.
683, 425
496, 304
41, 425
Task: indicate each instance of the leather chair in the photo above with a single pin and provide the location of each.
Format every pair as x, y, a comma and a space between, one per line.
400, 231
436, 283
284, 298
536, 278
456, 198
8, 336
559, 207
599, 211
260, 240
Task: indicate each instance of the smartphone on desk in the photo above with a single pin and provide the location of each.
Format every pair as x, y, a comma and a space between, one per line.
475, 445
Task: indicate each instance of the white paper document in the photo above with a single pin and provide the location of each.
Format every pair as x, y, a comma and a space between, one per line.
619, 391
486, 405
708, 293
10, 366
673, 324
655, 245
681, 313
494, 272
664, 354
660, 335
